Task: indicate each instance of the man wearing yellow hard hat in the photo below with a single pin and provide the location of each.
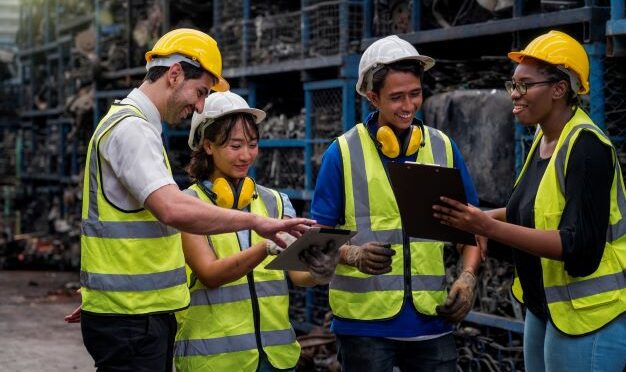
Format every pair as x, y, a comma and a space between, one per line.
132, 267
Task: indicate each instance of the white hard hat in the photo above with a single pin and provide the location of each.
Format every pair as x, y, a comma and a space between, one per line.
216, 105
383, 52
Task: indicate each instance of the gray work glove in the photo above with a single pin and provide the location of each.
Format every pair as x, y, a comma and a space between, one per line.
274, 249
370, 258
460, 299
321, 262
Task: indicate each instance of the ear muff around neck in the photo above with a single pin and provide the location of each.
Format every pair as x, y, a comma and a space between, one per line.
247, 192
388, 141
227, 195
392, 148
412, 141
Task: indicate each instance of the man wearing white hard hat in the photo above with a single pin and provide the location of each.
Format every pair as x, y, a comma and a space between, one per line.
388, 295
132, 265
238, 319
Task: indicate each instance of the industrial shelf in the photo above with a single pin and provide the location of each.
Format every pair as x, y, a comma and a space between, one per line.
585, 15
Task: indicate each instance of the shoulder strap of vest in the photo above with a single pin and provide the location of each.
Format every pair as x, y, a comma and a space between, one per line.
272, 200
563, 153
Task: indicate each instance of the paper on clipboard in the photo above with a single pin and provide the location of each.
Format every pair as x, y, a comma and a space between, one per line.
289, 259
417, 188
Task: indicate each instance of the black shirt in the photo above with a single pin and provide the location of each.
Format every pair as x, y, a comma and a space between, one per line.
584, 221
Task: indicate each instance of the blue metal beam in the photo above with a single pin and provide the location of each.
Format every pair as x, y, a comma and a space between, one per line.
291, 65
416, 16
616, 27
591, 15
271, 143
596, 52
368, 19
324, 84
617, 10
348, 114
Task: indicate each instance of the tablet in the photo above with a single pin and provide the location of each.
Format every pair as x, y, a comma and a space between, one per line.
289, 259
417, 187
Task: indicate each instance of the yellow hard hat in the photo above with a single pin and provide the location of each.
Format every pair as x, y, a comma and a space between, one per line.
558, 48
199, 47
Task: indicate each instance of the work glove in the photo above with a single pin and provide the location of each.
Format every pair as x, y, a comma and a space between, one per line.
372, 258
321, 262
460, 299
274, 249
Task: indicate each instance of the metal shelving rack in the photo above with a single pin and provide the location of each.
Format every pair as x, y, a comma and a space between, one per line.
46, 162
314, 61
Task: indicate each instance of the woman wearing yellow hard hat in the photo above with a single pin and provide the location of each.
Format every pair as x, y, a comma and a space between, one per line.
564, 218
238, 318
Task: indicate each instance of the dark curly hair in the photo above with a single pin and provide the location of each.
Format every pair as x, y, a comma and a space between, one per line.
201, 165
551, 72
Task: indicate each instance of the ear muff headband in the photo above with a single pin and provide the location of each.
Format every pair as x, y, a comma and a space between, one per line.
391, 147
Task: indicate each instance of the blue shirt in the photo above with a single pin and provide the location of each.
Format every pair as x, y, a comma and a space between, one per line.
327, 208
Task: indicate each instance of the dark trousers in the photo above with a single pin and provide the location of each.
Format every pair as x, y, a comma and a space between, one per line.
130, 342
378, 354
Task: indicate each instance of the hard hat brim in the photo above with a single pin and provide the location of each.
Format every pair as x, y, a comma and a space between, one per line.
259, 115
516, 56
222, 85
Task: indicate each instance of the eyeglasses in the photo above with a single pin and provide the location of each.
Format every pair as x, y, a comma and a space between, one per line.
522, 87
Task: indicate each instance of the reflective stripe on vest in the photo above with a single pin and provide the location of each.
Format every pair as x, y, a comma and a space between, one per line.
365, 181
221, 295
231, 344
218, 330
618, 229
131, 263
580, 305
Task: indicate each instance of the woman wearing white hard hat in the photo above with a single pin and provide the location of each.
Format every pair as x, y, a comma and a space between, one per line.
388, 297
238, 319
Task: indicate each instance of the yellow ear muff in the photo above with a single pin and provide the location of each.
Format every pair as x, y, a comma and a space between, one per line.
229, 196
246, 193
389, 145
413, 141
225, 197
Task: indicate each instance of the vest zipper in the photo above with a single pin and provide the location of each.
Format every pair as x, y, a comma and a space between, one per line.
256, 313
406, 252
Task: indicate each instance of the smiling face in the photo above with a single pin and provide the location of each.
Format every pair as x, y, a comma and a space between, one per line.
233, 158
187, 96
398, 99
536, 105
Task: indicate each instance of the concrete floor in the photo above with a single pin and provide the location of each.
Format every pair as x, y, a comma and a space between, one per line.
33, 335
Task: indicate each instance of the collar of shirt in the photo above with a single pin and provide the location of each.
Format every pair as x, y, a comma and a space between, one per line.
143, 103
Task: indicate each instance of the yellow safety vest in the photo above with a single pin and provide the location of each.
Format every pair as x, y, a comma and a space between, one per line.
226, 328
371, 209
130, 262
579, 305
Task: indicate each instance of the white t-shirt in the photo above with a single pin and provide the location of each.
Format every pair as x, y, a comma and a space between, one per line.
132, 164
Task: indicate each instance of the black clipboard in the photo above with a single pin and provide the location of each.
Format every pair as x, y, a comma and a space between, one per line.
417, 188
289, 259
